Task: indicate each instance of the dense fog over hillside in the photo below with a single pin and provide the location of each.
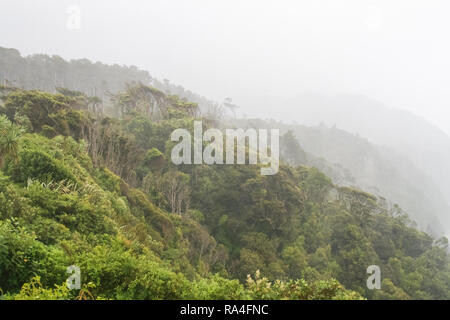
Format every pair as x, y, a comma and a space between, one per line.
412, 136
390, 51
407, 163
118, 124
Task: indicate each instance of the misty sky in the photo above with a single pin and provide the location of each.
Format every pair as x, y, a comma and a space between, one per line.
394, 51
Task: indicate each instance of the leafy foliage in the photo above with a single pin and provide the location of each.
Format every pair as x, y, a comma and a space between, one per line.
99, 193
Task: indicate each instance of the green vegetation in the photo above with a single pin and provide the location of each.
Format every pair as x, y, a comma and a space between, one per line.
80, 188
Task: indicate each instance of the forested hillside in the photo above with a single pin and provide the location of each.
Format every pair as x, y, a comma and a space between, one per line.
350, 160
47, 73
404, 133
78, 187
345, 157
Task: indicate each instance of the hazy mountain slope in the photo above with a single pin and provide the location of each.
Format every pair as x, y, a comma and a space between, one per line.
44, 72
427, 146
353, 161
411, 136
408, 135
382, 171
60, 202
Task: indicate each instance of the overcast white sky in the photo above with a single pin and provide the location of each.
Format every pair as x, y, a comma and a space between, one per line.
396, 51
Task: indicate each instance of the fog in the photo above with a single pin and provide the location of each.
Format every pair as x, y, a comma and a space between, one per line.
253, 51
100, 102
376, 69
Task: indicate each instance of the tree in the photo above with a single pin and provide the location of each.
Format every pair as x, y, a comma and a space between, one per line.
228, 103
291, 150
9, 139
172, 187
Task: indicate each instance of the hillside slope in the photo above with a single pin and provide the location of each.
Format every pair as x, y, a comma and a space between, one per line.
409, 135
78, 187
